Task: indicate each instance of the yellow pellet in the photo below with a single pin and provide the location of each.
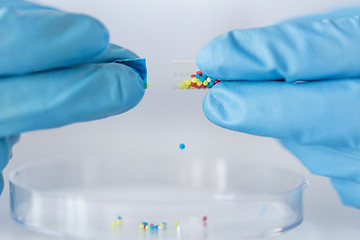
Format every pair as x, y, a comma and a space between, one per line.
146, 86
199, 83
176, 223
112, 224
192, 87
119, 221
188, 82
141, 226
194, 80
205, 83
183, 85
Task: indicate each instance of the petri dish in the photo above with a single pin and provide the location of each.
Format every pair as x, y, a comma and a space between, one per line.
83, 198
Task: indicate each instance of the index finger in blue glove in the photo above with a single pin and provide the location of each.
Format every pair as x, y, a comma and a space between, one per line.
318, 112
295, 51
42, 39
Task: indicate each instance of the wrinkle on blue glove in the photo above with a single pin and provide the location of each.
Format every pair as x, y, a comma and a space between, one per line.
292, 51
69, 39
318, 112
112, 53
59, 97
117, 54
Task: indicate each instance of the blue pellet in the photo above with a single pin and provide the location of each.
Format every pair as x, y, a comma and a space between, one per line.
182, 146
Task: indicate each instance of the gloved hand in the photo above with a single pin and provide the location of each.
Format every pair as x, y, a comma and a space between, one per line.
57, 68
313, 109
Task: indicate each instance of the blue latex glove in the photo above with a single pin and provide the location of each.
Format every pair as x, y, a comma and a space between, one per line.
314, 111
57, 68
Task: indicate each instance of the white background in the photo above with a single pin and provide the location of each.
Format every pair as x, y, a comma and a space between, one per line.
163, 31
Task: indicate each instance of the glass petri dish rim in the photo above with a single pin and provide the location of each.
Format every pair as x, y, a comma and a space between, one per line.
302, 182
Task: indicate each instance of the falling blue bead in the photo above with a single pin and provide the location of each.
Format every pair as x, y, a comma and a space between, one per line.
182, 146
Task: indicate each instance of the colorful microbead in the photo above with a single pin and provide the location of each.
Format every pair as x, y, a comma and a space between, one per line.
152, 227
117, 223
182, 146
199, 81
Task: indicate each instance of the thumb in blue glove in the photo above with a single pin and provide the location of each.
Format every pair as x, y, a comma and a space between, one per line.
57, 68
313, 110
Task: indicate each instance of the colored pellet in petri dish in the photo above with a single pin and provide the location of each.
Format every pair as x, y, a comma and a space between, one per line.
152, 227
